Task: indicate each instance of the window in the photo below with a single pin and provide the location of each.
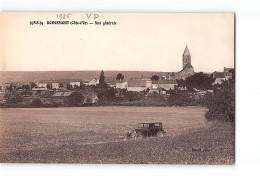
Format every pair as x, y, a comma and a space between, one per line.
156, 124
141, 125
146, 125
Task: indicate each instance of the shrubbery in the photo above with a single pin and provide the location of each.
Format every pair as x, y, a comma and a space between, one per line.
37, 103
75, 99
221, 103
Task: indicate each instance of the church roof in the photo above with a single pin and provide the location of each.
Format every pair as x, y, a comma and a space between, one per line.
188, 66
186, 51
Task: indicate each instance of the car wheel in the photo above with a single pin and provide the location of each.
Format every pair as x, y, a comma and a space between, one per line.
140, 136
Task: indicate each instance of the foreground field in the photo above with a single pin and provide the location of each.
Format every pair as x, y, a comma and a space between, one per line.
92, 135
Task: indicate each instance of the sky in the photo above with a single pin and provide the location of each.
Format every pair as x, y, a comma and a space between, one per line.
138, 42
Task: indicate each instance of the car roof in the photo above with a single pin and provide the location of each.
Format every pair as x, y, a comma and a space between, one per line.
148, 122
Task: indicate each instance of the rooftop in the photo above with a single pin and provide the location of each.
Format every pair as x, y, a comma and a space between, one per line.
136, 83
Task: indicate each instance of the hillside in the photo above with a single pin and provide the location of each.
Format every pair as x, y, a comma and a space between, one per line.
23, 76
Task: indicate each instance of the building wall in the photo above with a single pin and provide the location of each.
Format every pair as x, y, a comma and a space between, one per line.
185, 73
39, 88
42, 85
148, 84
121, 85
155, 86
219, 80
136, 89
186, 60
73, 84
55, 85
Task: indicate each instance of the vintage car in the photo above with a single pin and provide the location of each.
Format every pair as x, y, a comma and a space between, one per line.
149, 129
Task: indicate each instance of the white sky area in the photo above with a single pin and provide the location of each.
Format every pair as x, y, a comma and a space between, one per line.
139, 42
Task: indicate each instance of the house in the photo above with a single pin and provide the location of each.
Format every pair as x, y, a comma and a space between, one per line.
219, 77
136, 85
148, 84
228, 69
12, 85
2, 89
2, 98
168, 84
111, 81
92, 82
121, 84
75, 83
7, 85
42, 84
55, 85
222, 76
39, 88
155, 85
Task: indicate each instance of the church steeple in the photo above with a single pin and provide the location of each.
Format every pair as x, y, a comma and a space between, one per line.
186, 57
186, 51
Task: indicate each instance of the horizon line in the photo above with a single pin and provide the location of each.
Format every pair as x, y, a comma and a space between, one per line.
96, 70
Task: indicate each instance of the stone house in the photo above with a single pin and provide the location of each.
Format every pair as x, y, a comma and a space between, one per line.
55, 85
136, 85
168, 84
2, 98
121, 84
111, 81
75, 83
220, 77
92, 82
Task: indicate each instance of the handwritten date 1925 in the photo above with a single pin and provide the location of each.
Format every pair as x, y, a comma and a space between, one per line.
62, 16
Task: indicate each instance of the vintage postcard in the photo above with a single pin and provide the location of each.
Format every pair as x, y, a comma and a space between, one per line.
117, 88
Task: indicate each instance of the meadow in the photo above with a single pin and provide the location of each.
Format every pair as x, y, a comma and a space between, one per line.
94, 135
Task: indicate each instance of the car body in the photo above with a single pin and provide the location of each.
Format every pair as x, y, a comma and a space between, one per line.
150, 129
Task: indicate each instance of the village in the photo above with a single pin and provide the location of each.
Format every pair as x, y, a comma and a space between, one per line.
54, 93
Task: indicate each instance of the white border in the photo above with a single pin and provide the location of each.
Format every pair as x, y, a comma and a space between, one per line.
247, 87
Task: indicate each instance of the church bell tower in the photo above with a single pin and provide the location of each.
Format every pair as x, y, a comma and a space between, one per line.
186, 58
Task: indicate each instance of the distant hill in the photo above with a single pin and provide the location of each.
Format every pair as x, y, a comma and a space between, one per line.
24, 76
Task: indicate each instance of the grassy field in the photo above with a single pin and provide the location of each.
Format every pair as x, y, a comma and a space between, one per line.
92, 135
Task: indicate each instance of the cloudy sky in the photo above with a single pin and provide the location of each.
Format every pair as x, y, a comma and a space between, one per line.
139, 42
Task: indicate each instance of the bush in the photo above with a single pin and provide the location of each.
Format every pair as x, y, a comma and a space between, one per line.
179, 98
133, 96
76, 99
221, 103
37, 103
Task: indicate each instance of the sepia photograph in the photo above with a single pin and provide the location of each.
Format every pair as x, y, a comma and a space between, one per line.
117, 88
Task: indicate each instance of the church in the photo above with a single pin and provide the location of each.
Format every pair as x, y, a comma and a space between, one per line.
187, 69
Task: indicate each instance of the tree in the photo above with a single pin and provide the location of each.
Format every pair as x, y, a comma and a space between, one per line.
155, 78
199, 81
76, 86
76, 99
221, 103
26, 86
120, 76
61, 85
179, 98
48, 86
37, 103
69, 87
102, 77
32, 85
